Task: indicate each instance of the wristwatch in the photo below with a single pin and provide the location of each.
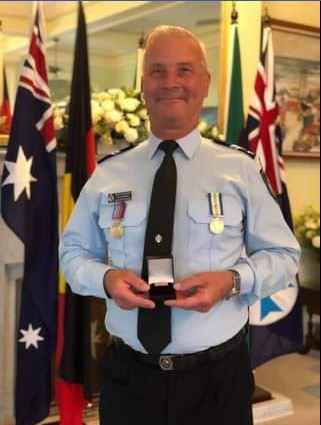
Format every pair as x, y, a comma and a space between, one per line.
236, 290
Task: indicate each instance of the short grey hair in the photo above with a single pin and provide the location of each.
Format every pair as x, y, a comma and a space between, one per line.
177, 31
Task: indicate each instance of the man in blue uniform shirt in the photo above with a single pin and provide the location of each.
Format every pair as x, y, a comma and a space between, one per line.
230, 245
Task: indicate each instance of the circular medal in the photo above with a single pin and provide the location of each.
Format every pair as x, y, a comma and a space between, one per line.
217, 226
117, 231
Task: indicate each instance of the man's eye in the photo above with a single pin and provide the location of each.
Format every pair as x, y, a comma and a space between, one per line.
156, 72
185, 70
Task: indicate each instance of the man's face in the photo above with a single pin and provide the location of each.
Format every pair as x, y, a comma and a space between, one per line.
175, 83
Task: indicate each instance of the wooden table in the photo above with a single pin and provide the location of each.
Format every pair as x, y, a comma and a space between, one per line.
311, 299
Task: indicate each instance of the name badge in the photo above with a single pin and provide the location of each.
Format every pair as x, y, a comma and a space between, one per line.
119, 197
217, 224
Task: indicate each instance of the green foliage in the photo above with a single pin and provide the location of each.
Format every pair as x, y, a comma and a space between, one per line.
307, 228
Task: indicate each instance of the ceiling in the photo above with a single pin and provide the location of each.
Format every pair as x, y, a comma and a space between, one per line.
188, 13
122, 39
23, 9
110, 36
196, 18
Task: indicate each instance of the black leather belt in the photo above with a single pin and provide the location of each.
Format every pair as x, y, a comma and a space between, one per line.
186, 361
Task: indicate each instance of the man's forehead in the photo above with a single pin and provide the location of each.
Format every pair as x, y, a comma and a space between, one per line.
168, 63
165, 44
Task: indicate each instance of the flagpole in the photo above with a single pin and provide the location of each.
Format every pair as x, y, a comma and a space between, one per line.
226, 9
233, 23
140, 59
266, 18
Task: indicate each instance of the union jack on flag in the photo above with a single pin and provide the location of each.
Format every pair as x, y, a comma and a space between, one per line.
264, 115
277, 325
29, 208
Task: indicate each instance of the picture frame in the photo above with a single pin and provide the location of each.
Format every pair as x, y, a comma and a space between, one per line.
297, 70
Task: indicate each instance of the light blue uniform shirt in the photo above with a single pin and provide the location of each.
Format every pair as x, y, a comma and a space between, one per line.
256, 241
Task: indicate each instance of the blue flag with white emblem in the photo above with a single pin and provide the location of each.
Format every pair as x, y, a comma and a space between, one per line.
29, 208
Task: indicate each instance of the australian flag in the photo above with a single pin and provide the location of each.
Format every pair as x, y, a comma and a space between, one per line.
29, 208
277, 324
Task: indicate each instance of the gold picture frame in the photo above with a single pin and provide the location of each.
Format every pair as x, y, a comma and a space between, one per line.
297, 70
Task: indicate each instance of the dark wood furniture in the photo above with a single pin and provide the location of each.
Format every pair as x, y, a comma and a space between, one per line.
311, 299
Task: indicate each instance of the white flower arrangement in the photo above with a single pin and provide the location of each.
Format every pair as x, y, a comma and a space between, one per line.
119, 114
307, 228
210, 131
59, 113
116, 114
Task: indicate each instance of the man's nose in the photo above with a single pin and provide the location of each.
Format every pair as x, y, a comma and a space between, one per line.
171, 79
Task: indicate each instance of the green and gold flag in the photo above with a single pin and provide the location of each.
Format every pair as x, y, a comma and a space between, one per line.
234, 116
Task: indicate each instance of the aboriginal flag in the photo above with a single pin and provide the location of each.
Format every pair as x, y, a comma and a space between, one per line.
234, 113
73, 348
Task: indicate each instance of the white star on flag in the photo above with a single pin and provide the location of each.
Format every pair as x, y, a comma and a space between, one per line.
20, 174
31, 337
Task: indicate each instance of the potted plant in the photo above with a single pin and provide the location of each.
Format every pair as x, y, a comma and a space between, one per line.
307, 229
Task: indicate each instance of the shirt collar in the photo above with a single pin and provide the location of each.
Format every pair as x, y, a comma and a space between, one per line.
189, 144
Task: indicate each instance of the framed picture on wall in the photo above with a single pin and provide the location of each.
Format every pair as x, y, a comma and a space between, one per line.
297, 68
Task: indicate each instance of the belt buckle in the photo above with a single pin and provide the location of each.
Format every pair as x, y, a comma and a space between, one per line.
166, 363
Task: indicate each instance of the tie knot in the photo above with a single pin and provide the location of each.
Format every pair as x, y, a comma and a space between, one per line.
168, 146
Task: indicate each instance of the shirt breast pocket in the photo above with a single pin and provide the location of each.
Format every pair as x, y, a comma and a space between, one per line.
122, 250
135, 228
203, 244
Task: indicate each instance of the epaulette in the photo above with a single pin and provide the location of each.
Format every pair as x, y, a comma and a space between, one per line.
268, 185
235, 147
253, 156
241, 149
118, 152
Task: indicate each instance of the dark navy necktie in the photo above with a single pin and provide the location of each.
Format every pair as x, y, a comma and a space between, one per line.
154, 326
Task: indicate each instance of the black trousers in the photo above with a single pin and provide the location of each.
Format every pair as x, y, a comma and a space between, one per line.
218, 393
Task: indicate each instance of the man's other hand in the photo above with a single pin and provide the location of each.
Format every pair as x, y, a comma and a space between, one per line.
127, 290
202, 291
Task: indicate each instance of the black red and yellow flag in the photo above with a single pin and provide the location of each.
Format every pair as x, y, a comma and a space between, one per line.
73, 344
5, 113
